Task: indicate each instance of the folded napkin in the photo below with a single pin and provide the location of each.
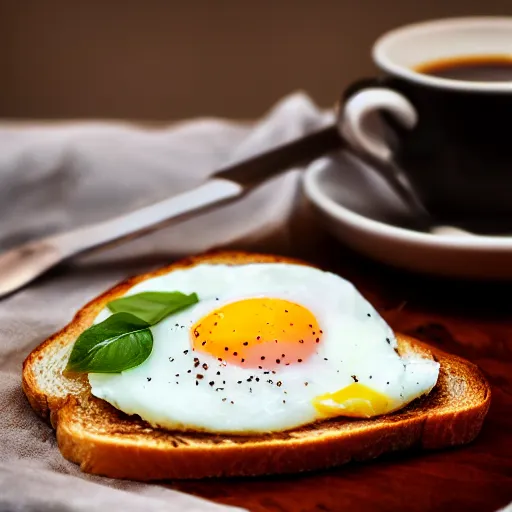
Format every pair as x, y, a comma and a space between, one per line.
55, 177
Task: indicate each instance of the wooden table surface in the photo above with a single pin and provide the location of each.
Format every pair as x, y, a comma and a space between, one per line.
472, 320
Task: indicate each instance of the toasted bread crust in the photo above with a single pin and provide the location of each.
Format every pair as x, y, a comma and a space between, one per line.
105, 441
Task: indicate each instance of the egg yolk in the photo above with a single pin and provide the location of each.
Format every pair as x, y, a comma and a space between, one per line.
355, 400
258, 333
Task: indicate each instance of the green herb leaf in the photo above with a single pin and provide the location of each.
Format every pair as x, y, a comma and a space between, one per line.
120, 342
152, 306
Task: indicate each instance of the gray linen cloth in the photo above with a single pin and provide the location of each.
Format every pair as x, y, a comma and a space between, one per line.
54, 178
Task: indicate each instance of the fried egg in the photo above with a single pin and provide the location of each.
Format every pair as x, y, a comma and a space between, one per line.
268, 347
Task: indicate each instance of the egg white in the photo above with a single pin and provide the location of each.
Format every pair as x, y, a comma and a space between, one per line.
356, 342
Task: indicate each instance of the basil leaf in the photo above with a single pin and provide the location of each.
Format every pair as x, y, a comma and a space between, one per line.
120, 342
152, 306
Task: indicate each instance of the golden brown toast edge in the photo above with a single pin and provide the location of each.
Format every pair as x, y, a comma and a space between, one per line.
105, 441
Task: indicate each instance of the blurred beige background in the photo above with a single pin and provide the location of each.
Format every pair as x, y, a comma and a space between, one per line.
162, 60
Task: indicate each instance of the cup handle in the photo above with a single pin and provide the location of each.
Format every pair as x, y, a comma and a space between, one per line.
353, 117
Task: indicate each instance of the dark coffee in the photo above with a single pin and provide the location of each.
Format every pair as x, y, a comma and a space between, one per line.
478, 68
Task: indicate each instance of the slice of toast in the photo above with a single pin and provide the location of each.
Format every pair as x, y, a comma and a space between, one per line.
108, 442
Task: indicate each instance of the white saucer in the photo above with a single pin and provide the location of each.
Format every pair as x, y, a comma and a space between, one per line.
360, 209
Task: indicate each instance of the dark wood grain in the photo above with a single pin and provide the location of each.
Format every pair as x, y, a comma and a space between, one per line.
473, 320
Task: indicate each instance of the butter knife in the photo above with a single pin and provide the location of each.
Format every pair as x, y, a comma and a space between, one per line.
24, 263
